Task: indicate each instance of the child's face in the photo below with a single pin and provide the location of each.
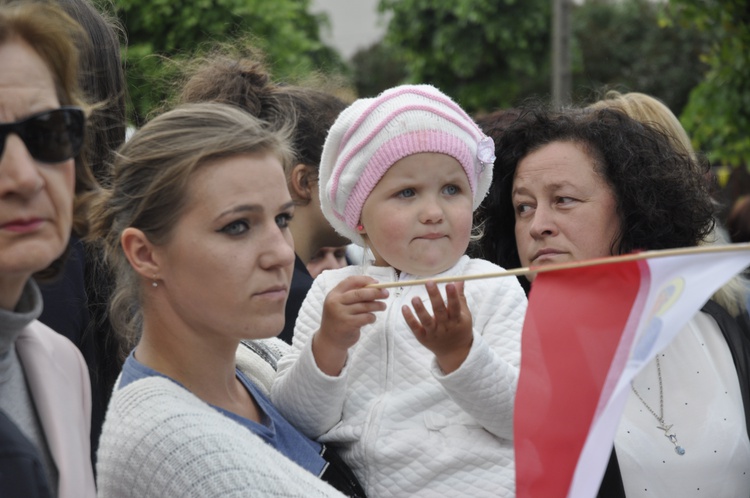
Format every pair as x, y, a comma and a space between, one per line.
418, 217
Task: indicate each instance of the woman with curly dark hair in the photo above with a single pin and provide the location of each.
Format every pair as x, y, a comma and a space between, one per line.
583, 184
660, 202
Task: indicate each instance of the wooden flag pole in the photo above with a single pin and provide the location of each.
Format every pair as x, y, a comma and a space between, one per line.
573, 264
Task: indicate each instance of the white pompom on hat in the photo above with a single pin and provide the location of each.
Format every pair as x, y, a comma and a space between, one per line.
372, 134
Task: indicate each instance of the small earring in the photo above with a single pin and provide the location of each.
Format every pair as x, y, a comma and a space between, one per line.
360, 227
154, 284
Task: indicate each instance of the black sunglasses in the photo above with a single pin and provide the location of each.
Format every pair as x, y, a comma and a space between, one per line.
50, 136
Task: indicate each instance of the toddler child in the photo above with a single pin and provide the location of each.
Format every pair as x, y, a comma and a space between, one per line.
420, 403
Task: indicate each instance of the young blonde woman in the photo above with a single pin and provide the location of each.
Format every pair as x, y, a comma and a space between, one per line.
196, 229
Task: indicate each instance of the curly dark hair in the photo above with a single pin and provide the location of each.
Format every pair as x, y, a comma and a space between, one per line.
496, 122
663, 200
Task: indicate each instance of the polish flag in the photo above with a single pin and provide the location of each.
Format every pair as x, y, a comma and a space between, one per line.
588, 331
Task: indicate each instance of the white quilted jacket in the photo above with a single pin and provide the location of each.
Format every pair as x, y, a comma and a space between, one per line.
404, 427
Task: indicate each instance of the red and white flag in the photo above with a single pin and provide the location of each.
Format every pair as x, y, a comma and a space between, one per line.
588, 332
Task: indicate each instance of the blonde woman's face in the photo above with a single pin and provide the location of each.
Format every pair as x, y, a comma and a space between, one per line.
227, 266
36, 199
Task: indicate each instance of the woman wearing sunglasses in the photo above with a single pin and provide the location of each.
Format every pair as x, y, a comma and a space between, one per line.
44, 387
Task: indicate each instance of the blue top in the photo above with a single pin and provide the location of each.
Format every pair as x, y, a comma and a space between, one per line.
274, 430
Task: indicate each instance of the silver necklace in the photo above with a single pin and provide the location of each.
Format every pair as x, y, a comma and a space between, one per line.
668, 433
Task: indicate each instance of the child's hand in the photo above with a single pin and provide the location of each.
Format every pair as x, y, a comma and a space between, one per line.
347, 308
448, 334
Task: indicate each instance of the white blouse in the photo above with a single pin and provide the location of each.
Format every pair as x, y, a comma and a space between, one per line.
702, 401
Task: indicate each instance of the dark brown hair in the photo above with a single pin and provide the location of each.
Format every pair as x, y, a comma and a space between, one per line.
738, 221
243, 81
102, 80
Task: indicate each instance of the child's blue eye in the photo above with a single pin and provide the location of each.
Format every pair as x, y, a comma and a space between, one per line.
407, 192
451, 190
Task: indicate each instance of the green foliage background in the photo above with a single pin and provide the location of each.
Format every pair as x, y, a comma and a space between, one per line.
484, 53
283, 29
692, 54
625, 45
487, 54
717, 116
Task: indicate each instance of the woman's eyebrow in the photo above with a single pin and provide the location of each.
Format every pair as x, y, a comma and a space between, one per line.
242, 208
253, 208
551, 187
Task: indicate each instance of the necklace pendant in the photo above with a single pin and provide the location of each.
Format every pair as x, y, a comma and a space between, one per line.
673, 439
660, 418
665, 428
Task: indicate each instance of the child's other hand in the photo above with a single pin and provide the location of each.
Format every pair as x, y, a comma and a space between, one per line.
448, 334
347, 308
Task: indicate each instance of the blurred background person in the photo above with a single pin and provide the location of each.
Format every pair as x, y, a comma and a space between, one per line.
102, 79
327, 258
738, 222
738, 228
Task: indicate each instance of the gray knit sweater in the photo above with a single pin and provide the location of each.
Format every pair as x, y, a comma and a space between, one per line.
161, 441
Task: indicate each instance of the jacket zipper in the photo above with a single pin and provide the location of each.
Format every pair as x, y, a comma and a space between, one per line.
373, 420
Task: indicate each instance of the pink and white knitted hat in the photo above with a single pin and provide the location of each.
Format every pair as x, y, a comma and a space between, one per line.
372, 134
